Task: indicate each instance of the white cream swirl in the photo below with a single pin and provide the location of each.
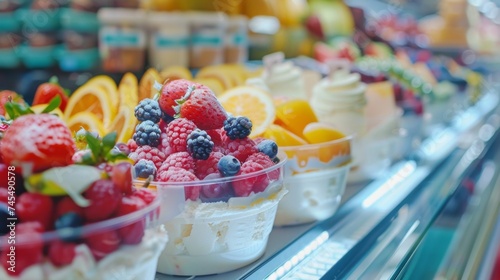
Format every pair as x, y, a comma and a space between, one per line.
285, 80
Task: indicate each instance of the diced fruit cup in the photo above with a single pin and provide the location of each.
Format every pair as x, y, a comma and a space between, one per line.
211, 229
315, 177
124, 247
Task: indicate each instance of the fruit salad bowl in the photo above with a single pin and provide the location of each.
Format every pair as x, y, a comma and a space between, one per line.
120, 247
218, 224
315, 177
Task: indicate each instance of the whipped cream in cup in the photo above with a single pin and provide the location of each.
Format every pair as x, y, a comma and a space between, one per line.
219, 231
283, 78
137, 261
315, 177
339, 100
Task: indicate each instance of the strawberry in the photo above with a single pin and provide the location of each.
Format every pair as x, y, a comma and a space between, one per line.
28, 140
171, 92
48, 91
132, 233
202, 108
5, 96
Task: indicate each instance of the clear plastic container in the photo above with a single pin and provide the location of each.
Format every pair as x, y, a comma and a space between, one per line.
132, 261
236, 43
122, 39
207, 39
315, 177
218, 231
168, 40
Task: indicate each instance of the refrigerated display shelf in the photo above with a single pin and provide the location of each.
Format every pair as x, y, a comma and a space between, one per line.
379, 226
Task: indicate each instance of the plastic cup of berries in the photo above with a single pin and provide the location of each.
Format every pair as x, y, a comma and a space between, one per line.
221, 222
315, 177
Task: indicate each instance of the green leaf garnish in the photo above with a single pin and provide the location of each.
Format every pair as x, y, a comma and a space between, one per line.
53, 104
94, 145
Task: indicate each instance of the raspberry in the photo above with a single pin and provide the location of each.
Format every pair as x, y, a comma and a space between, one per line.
208, 166
4, 195
67, 205
216, 191
132, 146
29, 248
147, 133
61, 253
164, 146
178, 131
268, 147
266, 162
66, 224
181, 175
146, 195
104, 198
35, 207
216, 136
237, 127
122, 177
199, 144
133, 233
148, 110
180, 160
103, 243
243, 187
145, 168
149, 153
228, 166
241, 148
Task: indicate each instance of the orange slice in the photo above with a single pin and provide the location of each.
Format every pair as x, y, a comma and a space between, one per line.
317, 132
175, 73
124, 124
128, 89
282, 136
146, 84
251, 102
93, 99
214, 84
38, 109
110, 89
87, 120
294, 115
218, 73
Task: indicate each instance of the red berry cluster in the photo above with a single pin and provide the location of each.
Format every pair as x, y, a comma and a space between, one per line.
38, 213
186, 102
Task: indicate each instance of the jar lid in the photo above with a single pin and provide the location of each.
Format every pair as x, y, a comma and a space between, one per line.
207, 17
121, 16
161, 18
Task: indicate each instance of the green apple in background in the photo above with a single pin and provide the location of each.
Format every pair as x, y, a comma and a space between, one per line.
332, 18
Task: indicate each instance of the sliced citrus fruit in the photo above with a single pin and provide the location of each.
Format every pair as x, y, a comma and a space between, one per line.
87, 120
282, 136
147, 82
93, 99
317, 132
38, 109
124, 124
128, 89
109, 86
214, 84
251, 102
175, 73
218, 73
294, 115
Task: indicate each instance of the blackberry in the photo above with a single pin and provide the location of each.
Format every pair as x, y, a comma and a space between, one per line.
199, 144
237, 127
144, 168
229, 166
268, 147
147, 133
148, 110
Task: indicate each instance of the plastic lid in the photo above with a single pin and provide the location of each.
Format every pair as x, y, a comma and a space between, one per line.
161, 18
121, 15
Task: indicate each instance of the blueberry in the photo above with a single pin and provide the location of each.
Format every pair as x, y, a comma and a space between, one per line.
67, 226
144, 168
268, 147
228, 166
4, 215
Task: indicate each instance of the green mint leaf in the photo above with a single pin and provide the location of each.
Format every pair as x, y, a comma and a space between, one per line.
53, 104
9, 107
94, 145
108, 142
